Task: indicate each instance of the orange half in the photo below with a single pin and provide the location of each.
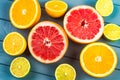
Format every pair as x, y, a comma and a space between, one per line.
98, 59
56, 8
25, 13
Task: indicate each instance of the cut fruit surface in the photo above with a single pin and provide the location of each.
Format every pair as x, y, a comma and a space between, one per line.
83, 24
47, 42
112, 32
25, 13
56, 8
104, 7
20, 67
14, 44
98, 59
65, 72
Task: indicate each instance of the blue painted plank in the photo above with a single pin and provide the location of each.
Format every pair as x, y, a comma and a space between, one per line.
116, 2
6, 75
4, 9
71, 57
113, 18
49, 69
6, 27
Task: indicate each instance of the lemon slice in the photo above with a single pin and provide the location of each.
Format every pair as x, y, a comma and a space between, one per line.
20, 67
65, 72
14, 44
112, 32
104, 7
56, 8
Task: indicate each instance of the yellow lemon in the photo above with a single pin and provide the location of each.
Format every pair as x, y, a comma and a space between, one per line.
20, 67
14, 44
65, 72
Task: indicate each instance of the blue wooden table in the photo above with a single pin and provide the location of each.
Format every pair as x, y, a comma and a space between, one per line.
40, 71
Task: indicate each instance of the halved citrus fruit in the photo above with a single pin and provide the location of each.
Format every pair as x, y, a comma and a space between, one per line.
20, 67
47, 42
25, 13
112, 32
104, 7
14, 44
56, 8
65, 72
83, 24
98, 59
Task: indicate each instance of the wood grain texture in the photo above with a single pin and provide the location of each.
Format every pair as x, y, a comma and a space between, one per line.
40, 71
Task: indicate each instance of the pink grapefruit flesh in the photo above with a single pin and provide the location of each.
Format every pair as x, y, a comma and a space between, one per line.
47, 42
83, 24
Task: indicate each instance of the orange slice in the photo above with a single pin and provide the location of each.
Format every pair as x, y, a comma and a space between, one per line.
25, 13
98, 59
14, 44
56, 8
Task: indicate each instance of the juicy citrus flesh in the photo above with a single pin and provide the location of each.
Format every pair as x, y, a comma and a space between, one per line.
65, 72
47, 42
83, 24
98, 59
25, 13
112, 32
104, 7
56, 8
20, 67
14, 44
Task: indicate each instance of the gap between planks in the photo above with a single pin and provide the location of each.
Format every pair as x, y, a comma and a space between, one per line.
30, 71
43, 73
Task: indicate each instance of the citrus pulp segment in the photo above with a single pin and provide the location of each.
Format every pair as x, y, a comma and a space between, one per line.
98, 59
56, 8
47, 42
83, 24
65, 72
14, 44
20, 67
112, 32
25, 13
104, 7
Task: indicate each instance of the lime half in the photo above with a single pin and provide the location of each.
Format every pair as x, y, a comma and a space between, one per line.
20, 67
65, 72
112, 32
104, 7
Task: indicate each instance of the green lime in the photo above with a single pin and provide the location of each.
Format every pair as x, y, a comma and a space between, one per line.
104, 7
65, 72
112, 32
20, 67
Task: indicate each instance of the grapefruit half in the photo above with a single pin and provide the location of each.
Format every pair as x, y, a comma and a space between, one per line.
47, 42
83, 24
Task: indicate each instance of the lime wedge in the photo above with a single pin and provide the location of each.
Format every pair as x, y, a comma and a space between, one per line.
20, 67
104, 7
112, 32
65, 72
